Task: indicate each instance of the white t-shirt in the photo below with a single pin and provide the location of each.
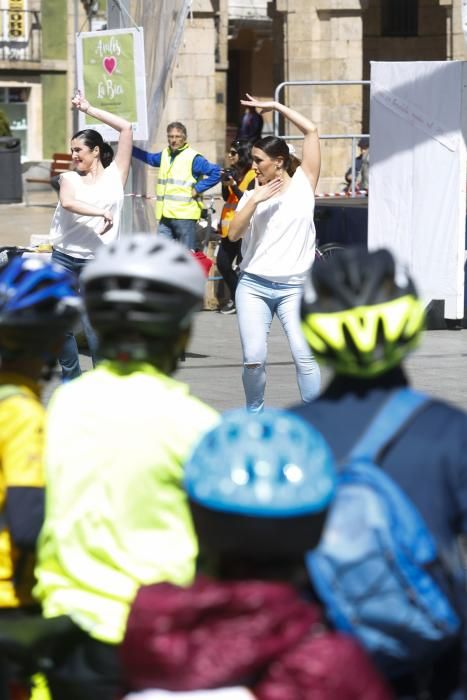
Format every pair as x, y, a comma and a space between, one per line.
77, 235
279, 243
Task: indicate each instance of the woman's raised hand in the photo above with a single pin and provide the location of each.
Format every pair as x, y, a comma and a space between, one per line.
80, 102
263, 105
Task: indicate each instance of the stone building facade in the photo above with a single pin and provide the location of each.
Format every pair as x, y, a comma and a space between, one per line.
198, 84
33, 73
255, 45
230, 47
335, 40
37, 70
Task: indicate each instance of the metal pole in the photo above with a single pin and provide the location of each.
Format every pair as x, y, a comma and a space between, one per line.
353, 174
76, 30
295, 83
117, 12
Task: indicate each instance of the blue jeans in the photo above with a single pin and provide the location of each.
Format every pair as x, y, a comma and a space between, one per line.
182, 230
69, 357
257, 300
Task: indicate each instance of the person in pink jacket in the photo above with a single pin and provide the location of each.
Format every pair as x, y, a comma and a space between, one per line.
259, 486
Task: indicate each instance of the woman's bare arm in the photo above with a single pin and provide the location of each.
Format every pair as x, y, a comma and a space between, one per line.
125, 141
311, 161
241, 220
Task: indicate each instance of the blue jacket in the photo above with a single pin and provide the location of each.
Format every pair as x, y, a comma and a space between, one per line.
429, 462
202, 168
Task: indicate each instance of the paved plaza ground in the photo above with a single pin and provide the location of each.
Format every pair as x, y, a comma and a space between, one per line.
213, 365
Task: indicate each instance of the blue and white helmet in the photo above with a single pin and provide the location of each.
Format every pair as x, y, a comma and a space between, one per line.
38, 302
260, 484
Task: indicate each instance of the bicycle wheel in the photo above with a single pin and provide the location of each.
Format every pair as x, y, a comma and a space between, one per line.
328, 250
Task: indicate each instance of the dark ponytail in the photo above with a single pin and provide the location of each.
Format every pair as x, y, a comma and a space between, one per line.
107, 154
294, 162
92, 138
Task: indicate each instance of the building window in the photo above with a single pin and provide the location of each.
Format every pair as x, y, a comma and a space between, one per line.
399, 18
14, 102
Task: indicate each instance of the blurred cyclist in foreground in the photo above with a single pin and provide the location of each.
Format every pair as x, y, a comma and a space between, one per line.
116, 513
38, 304
361, 316
259, 487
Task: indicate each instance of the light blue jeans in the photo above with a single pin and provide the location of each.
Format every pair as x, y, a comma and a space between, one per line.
257, 300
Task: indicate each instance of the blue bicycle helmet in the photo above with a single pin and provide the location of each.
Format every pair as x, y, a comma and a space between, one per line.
39, 301
259, 485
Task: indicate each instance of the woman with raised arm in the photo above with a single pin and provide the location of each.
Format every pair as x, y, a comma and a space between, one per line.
275, 221
88, 212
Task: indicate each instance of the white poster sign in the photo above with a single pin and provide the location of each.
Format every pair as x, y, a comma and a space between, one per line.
111, 74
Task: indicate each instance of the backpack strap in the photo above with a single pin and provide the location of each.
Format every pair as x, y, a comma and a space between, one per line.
399, 410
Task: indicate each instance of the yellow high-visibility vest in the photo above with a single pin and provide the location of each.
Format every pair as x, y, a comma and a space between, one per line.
174, 186
120, 528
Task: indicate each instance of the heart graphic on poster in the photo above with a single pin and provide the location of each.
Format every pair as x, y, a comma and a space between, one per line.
110, 64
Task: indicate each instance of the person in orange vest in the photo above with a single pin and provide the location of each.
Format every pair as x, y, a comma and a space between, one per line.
235, 180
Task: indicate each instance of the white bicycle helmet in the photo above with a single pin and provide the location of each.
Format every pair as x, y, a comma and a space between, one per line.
144, 283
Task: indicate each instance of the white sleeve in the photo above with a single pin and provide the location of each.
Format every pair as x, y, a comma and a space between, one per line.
69, 176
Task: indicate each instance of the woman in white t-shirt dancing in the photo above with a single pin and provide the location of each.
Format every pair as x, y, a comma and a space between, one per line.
275, 221
88, 213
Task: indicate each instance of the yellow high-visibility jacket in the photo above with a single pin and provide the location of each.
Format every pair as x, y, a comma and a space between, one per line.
175, 184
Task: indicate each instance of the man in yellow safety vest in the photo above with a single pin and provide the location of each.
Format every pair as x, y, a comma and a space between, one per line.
184, 175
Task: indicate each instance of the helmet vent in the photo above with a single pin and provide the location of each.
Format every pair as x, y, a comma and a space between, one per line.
155, 249
284, 478
180, 259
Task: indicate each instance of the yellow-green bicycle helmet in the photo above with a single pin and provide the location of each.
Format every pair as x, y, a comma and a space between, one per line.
358, 315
